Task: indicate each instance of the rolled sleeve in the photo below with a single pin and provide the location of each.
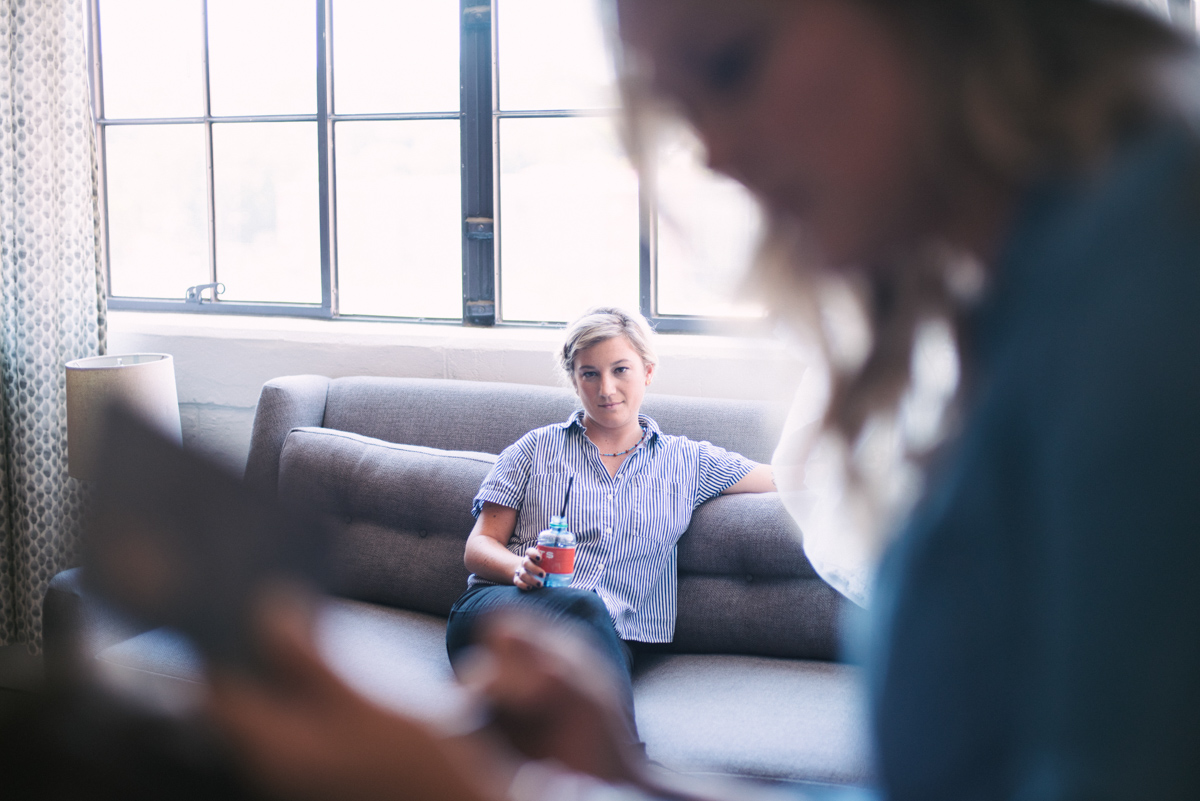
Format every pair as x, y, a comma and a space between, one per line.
719, 470
505, 484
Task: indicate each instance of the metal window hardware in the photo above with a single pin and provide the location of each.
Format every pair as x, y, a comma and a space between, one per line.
479, 228
481, 312
195, 294
477, 16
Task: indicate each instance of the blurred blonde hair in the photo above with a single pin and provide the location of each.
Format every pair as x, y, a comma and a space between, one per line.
1020, 87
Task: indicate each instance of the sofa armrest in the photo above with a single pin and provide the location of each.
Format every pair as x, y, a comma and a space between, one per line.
76, 626
285, 403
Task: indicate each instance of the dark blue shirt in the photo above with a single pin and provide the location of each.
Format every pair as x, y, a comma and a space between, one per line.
1037, 622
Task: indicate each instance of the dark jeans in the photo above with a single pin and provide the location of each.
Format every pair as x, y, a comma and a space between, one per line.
580, 608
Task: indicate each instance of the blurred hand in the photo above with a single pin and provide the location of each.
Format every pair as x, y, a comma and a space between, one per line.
307, 735
530, 574
551, 695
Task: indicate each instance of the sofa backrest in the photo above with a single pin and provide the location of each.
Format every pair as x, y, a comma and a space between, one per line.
745, 585
475, 415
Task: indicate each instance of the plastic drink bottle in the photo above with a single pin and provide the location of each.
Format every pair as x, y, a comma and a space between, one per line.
557, 545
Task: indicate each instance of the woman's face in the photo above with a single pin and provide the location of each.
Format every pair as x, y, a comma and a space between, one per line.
611, 380
813, 104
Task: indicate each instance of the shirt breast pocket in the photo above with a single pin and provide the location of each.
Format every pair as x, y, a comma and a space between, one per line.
544, 495
659, 512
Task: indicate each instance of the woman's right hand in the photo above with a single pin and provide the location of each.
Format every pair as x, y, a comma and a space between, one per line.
529, 575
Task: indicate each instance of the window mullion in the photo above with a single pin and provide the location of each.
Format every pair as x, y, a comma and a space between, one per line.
478, 243
325, 175
647, 251
208, 159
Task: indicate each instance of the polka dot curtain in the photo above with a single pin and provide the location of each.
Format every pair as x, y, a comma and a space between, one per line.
51, 293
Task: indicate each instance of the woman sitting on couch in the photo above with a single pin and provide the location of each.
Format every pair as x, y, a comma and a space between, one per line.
633, 489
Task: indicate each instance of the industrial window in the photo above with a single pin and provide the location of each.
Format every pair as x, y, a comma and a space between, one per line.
406, 159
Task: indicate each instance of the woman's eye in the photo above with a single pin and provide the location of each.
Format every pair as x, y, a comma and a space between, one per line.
729, 67
620, 370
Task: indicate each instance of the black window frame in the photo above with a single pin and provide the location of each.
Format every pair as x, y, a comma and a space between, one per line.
479, 117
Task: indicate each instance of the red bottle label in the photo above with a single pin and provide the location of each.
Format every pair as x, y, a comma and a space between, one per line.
557, 560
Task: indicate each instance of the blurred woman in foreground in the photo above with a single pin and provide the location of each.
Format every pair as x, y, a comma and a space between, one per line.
1027, 173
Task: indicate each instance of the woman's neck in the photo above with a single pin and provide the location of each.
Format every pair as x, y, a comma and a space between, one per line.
610, 440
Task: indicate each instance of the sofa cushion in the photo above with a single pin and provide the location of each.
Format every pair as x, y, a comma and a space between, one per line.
742, 577
770, 718
733, 615
394, 656
403, 513
487, 416
754, 716
458, 415
746, 534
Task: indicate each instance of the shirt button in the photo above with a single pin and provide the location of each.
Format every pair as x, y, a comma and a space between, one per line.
610, 497
601, 565
608, 531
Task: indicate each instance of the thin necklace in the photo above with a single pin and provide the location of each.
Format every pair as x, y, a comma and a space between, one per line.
645, 433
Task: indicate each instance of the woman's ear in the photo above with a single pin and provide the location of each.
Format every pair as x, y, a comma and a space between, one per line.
649, 373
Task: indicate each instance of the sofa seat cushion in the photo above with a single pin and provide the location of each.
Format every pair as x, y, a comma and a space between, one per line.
779, 719
394, 656
718, 714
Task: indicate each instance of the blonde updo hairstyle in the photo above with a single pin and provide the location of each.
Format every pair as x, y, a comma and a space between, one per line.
600, 324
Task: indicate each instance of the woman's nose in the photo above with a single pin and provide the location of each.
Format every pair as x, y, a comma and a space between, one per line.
607, 385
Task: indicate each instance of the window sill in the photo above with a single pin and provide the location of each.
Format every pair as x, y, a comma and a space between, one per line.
221, 362
258, 348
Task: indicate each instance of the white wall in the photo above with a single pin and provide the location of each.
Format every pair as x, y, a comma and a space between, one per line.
221, 362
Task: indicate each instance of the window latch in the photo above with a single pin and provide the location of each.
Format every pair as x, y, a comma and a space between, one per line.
479, 228
195, 294
477, 16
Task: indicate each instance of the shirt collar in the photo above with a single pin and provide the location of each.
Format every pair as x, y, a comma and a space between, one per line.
576, 420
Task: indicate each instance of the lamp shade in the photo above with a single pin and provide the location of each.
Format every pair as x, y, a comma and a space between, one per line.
143, 382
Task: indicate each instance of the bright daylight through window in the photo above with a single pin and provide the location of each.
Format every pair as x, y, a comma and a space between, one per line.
414, 159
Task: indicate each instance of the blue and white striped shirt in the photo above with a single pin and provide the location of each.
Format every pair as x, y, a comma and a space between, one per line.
626, 526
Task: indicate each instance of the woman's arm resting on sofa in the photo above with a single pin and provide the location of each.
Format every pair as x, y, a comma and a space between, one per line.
487, 554
760, 479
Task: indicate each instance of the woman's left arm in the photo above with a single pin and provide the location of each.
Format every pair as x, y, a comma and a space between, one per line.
760, 479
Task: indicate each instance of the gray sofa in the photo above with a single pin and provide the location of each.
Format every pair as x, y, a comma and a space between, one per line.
749, 687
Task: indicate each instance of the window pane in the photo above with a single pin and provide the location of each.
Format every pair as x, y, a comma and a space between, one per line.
708, 231
399, 210
153, 56
395, 56
553, 55
157, 209
569, 225
262, 56
268, 231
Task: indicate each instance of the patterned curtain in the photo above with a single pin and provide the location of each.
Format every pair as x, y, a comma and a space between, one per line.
52, 306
